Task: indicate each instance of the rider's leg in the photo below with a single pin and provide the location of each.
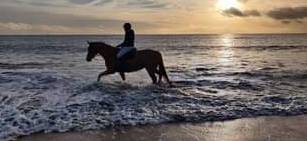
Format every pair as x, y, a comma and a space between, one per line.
123, 51
122, 57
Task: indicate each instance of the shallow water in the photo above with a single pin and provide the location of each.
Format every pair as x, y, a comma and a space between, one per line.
46, 85
250, 129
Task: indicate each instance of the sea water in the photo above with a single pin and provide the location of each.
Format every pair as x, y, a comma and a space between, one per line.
46, 85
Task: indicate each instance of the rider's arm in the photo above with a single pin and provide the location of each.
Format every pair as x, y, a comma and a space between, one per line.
124, 42
129, 39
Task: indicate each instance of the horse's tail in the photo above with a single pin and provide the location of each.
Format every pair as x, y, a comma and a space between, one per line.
162, 71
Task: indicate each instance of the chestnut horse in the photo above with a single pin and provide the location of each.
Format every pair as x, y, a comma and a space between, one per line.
149, 59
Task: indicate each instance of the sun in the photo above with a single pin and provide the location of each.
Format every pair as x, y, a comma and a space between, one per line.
226, 4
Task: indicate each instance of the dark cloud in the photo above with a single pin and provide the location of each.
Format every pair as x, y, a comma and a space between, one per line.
288, 15
234, 12
286, 22
289, 21
285, 15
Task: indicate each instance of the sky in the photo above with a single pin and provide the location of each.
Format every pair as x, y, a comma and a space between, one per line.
152, 16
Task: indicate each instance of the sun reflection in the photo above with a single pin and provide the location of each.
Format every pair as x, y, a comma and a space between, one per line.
226, 52
227, 40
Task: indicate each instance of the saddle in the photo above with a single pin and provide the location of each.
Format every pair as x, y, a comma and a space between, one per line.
126, 53
123, 60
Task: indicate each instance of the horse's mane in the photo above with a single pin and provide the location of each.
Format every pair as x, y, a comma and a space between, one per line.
100, 44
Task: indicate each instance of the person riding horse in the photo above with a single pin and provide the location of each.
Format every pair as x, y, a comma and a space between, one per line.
126, 48
125, 58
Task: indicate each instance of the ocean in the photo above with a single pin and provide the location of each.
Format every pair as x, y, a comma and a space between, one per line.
46, 85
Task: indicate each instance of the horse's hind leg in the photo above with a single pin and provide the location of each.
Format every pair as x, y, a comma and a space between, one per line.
151, 73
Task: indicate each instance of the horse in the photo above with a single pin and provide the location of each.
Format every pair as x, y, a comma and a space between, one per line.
149, 59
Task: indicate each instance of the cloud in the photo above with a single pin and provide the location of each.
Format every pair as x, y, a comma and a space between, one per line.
81, 1
90, 2
286, 22
18, 20
15, 26
22, 28
285, 15
243, 1
39, 3
11, 15
288, 14
58, 3
118, 4
152, 4
234, 12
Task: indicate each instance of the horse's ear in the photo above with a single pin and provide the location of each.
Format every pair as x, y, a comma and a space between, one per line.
88, 42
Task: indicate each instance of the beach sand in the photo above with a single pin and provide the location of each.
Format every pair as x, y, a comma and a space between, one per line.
248, 129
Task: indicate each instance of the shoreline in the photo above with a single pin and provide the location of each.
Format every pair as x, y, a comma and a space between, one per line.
280, 128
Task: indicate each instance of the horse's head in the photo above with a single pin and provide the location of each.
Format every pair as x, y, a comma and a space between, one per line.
91, 51
105, 50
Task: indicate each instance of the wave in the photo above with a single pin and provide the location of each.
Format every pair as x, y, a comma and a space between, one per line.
272, 47
41, 101
28, 65
265, 73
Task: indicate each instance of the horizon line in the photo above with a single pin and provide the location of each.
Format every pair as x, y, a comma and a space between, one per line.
142, 34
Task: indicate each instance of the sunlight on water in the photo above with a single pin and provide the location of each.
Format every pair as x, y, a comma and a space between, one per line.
226, 53
227, 40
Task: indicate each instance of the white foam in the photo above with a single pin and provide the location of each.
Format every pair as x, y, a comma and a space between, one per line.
44, 101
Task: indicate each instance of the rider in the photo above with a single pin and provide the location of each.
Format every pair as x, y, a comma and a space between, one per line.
127, 47
128, 44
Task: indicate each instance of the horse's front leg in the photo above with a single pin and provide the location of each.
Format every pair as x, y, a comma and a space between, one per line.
107, 72
122, 75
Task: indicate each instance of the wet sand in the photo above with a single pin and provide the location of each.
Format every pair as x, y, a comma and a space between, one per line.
248, 129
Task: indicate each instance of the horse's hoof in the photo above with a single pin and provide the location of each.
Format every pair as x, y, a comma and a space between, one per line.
171, 85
